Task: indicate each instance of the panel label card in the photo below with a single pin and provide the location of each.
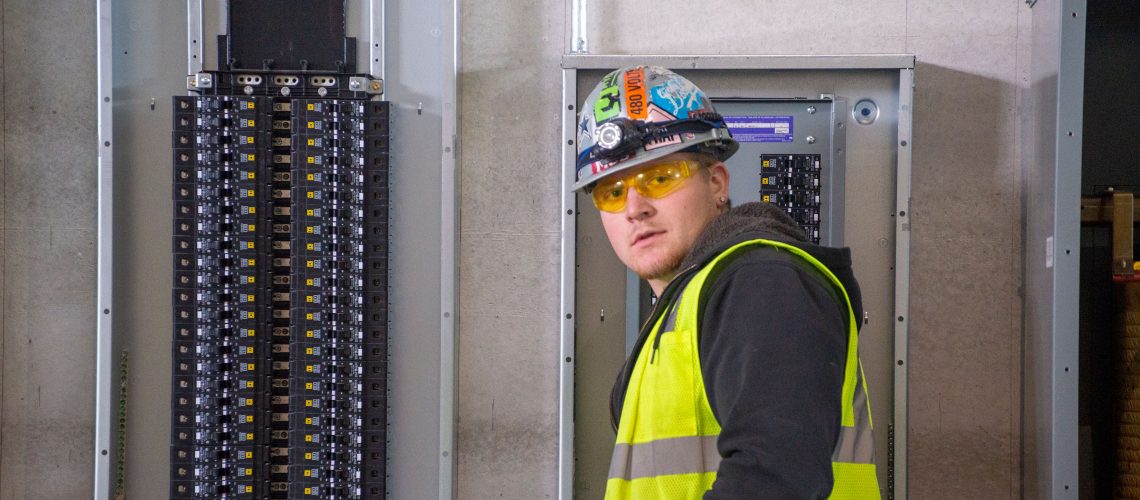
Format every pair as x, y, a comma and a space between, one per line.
761, 128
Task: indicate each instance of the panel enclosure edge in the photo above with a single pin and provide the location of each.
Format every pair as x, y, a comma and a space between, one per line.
566, 276
105, 372
899, 428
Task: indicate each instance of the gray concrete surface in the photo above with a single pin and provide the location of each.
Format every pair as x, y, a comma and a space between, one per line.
509, 92
48, 249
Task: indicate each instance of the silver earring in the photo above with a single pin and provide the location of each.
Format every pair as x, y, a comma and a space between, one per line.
723, 200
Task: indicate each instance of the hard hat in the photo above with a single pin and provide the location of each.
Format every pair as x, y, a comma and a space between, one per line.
642, 113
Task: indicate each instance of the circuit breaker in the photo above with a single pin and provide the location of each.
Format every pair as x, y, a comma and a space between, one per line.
791, 182
280, 278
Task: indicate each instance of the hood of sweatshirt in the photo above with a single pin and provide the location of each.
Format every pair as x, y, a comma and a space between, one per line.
751, 221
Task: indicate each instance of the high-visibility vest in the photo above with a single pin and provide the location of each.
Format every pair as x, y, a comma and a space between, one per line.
666, 439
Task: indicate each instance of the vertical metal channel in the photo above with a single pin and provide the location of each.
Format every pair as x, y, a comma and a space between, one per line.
449, 266
1066, 228
832, 226
376, 42
578, 42
105, 345
194, 42
902, 278
566, 329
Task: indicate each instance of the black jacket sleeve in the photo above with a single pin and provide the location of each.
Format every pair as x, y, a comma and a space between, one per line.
772, 347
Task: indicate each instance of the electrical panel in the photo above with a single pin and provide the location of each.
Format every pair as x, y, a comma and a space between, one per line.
280, 298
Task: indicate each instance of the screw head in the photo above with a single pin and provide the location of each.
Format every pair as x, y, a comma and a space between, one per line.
811, 139
811, 110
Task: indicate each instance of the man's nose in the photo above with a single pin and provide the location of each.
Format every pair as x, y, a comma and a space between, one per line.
637, 207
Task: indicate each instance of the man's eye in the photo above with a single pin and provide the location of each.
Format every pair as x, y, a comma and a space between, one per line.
613, 191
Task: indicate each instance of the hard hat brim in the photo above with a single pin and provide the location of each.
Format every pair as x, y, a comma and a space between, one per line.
717, 142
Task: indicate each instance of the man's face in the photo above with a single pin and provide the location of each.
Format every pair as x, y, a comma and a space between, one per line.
652, 236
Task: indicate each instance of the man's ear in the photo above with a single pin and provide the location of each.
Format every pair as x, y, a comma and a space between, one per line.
718, 179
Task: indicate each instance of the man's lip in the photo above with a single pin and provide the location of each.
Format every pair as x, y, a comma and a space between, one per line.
644, 236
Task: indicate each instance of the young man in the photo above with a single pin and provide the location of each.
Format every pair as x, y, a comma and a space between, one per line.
745, 381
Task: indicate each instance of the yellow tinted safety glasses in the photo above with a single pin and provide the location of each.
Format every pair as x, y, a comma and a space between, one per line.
655, 181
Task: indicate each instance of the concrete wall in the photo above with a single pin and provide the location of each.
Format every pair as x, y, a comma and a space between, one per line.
47, 249
965, 308
965, 325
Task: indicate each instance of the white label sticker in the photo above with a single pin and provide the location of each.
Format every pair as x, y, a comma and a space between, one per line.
1049, 253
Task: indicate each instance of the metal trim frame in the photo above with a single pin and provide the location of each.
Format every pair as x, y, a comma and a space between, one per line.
104, 350
749, 62
449, 246
566, 329
571, 63
902, 280
1067, 141
1052, 184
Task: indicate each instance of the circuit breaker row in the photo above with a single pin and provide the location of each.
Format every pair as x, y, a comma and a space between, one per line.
280, 297
792, 182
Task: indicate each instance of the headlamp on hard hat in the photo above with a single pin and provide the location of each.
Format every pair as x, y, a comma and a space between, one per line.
620, 137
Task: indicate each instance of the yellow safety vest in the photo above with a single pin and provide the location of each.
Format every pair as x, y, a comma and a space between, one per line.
666, 439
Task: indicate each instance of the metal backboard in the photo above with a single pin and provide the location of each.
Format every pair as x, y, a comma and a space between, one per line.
143, 61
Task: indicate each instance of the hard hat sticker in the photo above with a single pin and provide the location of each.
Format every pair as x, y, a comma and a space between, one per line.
658, 115
608, 104
679, 97
635, 101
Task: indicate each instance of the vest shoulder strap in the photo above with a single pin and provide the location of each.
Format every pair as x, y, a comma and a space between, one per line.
688, 309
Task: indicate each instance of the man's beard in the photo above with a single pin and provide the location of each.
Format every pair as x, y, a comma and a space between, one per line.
663, 269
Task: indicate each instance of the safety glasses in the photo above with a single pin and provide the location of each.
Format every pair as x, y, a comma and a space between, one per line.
655, 181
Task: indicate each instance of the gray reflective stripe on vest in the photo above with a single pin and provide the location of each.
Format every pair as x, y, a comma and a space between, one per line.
856, 445
663, 457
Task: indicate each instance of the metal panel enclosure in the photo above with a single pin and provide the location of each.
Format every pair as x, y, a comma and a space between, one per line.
875, 161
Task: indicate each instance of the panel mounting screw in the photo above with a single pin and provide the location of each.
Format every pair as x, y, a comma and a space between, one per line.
811, 110
354, 84
810, 139
375, 85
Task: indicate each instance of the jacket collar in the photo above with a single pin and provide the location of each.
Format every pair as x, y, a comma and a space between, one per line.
741, 223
